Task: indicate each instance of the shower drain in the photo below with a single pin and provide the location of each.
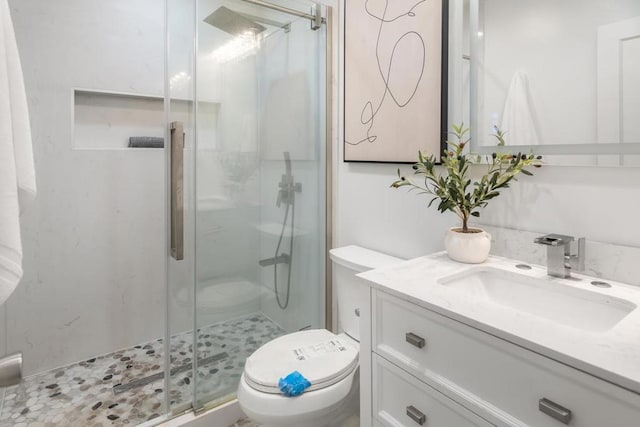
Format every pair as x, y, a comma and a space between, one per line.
121, 388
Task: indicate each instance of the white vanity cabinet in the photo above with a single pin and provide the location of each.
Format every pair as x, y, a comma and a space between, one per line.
402, 399
423, 368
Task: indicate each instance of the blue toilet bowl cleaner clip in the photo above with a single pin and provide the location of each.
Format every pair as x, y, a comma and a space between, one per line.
293, 384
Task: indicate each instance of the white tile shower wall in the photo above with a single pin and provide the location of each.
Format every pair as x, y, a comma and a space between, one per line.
93, 240
598, 203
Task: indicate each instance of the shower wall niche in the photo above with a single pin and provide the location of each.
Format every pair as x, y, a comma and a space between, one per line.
106, 120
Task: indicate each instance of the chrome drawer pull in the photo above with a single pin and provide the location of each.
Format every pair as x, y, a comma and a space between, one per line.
416, 415
554, 410
414, 339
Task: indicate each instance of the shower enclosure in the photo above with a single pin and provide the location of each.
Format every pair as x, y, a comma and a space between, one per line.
181, 160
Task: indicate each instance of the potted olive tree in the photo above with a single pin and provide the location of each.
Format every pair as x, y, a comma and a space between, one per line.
455, 191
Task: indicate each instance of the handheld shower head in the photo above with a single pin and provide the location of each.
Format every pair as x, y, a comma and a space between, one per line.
287, 195
287, 162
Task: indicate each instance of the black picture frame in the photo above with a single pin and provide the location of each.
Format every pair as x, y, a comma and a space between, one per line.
443, 122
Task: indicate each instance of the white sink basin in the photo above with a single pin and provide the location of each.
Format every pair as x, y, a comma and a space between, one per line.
555, 300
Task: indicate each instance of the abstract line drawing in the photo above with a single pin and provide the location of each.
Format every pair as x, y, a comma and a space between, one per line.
393, 79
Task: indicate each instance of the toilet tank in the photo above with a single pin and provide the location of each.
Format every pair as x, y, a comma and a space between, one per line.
347, 262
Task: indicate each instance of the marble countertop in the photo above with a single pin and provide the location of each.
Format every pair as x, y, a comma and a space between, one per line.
611, 353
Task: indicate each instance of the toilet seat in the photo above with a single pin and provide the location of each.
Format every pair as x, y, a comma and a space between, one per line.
319, 355
279, 410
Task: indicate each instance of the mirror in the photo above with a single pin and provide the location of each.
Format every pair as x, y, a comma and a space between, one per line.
558, 76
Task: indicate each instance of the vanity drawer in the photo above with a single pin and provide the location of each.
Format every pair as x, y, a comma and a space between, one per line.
497, 378
399, 399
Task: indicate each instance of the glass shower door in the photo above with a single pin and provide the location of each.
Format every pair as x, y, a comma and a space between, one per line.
254, 188
180, 109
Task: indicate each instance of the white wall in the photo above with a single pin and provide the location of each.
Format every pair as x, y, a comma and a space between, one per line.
94, 239
598, 203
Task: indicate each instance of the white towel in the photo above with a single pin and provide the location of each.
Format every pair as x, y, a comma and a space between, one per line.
17, 174
518, 117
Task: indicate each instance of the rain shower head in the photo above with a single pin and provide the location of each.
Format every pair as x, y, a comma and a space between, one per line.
232, 22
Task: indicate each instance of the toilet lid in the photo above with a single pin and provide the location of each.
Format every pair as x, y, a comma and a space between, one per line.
319, 355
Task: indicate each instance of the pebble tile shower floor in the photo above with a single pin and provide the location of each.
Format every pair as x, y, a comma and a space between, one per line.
82, 394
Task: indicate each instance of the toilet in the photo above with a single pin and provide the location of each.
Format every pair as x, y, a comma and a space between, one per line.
328, 361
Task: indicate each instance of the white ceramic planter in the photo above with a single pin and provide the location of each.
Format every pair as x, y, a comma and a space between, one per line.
471, 248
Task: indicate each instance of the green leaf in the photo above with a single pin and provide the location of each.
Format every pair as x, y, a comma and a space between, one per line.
449, 183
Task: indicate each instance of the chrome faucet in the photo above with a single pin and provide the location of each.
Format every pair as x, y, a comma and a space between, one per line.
560, 260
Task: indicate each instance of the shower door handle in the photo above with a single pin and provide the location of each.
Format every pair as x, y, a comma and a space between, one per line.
177, 190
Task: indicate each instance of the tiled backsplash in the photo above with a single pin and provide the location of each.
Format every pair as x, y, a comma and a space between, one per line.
604, 260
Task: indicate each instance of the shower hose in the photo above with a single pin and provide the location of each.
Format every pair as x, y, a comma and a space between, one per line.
285, 304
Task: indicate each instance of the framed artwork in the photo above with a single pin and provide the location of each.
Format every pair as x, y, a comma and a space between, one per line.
395, 84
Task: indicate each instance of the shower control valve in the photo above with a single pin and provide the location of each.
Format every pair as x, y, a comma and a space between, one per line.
287, 190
